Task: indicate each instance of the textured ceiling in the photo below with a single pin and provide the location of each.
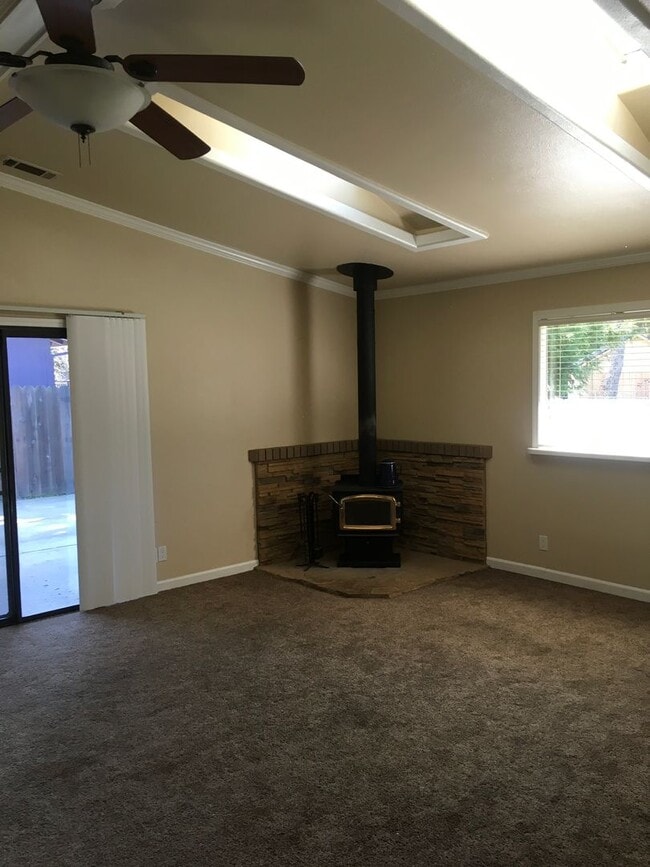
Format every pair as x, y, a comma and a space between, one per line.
381, 101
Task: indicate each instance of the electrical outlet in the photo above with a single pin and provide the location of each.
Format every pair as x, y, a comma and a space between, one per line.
543, 543
162, 553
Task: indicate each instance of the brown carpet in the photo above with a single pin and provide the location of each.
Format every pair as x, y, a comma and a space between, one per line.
417, 570
490, 719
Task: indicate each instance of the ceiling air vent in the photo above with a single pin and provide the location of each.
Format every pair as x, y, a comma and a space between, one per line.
28, 168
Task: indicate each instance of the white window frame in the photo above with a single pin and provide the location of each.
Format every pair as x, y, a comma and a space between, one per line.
560, 316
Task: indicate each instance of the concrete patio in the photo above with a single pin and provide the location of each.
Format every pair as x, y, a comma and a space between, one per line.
48, 555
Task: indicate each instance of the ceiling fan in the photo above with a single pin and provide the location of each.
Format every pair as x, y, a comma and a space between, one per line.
83, 92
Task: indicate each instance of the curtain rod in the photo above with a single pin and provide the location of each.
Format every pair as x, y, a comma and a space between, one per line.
69, 311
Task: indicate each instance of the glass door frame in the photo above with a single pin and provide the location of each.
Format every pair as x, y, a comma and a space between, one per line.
8, 478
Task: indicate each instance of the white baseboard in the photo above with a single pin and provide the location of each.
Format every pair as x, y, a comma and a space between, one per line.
210, 575
568, 578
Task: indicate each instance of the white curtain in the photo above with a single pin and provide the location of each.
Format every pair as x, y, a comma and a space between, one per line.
112, 459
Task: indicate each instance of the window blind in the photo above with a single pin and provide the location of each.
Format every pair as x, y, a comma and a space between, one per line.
594, 384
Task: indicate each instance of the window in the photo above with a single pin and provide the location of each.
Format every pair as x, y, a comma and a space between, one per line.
592, 381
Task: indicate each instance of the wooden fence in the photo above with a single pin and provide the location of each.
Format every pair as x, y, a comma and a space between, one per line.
42, 437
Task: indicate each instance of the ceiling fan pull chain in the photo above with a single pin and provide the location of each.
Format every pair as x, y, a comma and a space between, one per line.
83, 138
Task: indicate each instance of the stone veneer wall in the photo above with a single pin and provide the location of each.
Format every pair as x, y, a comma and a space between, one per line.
444, 494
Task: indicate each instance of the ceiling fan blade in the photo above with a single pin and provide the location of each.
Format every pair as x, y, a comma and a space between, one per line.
215, 68
12, 111
13, 60
170, 133
69, 23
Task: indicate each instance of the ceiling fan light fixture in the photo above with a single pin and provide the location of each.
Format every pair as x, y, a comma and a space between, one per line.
74, 95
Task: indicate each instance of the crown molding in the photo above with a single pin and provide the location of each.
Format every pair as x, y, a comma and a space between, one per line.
92, 209
513, 276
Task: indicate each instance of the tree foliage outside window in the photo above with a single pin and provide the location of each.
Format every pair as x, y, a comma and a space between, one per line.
576, 351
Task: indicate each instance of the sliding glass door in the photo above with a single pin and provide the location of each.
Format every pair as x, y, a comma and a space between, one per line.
38, 573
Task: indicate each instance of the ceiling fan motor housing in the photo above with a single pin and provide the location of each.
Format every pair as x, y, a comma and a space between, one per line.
75, 94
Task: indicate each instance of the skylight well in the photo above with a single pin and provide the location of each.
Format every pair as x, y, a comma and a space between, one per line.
367, 207
566, 49
569, 55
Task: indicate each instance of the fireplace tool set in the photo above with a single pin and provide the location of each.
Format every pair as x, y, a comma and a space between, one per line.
309, 530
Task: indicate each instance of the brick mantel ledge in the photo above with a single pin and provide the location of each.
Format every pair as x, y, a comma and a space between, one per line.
286, 453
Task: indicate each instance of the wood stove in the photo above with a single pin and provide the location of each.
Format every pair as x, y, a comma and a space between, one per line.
367, 513
367, 520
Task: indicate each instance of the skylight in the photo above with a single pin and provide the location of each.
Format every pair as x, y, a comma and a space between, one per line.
566, 50
568, 54
368, 207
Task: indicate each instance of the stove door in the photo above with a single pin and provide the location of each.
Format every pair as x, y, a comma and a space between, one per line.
368, 512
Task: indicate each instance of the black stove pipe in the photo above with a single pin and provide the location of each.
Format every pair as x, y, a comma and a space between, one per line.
365, 277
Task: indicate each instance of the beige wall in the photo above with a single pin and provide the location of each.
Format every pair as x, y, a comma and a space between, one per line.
457, 366
242, 359
238, 359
